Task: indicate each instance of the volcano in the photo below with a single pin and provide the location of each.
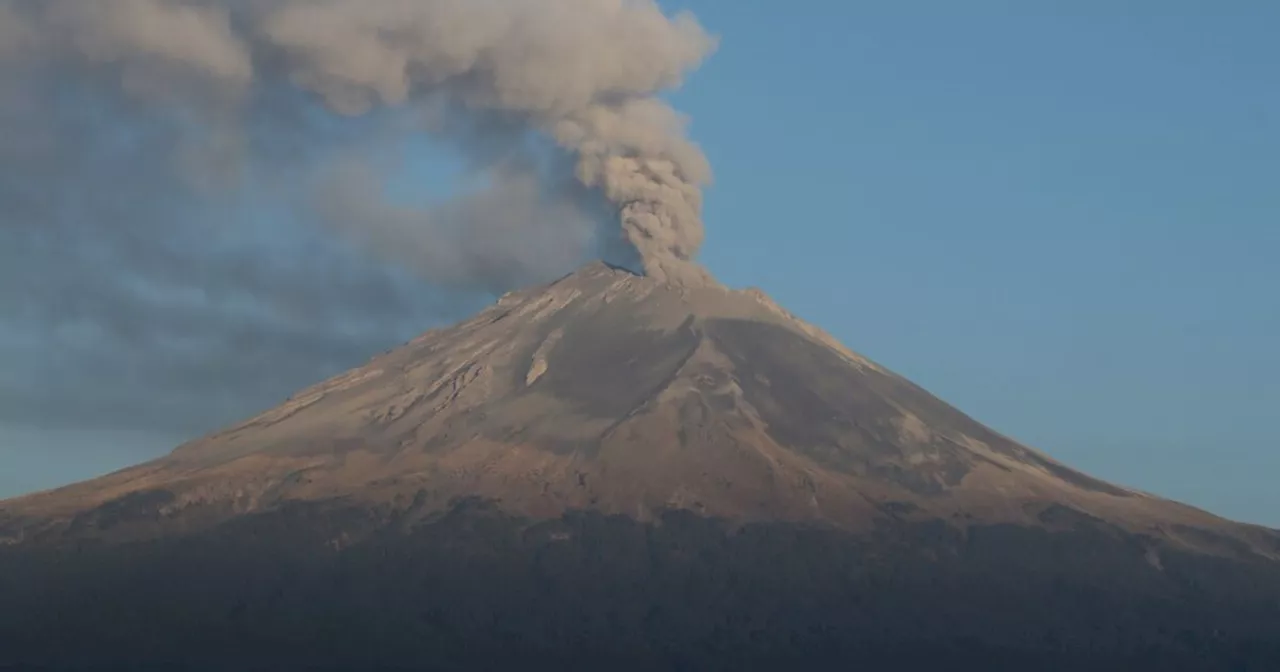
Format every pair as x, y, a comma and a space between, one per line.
610, 471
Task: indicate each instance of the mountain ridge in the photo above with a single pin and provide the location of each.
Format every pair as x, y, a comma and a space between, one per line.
606, 389
611, 472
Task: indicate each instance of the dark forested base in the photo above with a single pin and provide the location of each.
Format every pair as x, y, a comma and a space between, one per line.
317, 587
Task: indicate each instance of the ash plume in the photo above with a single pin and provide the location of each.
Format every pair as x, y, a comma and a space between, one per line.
583, 73
202, 180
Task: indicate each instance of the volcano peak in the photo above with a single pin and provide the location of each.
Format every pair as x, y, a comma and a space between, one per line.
614, 391
589, 455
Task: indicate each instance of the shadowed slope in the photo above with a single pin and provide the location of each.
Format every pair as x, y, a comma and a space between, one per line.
612, 391
609, 471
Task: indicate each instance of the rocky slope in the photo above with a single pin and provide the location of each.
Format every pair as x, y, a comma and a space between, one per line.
659, 461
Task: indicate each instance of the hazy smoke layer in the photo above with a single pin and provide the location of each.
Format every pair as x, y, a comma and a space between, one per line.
583, 72
164, 163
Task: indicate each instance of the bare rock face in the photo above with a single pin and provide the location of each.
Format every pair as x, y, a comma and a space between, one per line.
612, 470
618, 393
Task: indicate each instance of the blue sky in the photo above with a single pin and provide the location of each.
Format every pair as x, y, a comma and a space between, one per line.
1061, 217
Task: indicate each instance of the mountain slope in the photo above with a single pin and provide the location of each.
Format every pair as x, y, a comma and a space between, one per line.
615, 392
612, 471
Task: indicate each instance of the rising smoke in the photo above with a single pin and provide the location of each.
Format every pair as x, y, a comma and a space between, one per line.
175, 175
582, 73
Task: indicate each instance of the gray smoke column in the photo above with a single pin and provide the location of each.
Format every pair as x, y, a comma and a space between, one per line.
585, 74
206, 205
